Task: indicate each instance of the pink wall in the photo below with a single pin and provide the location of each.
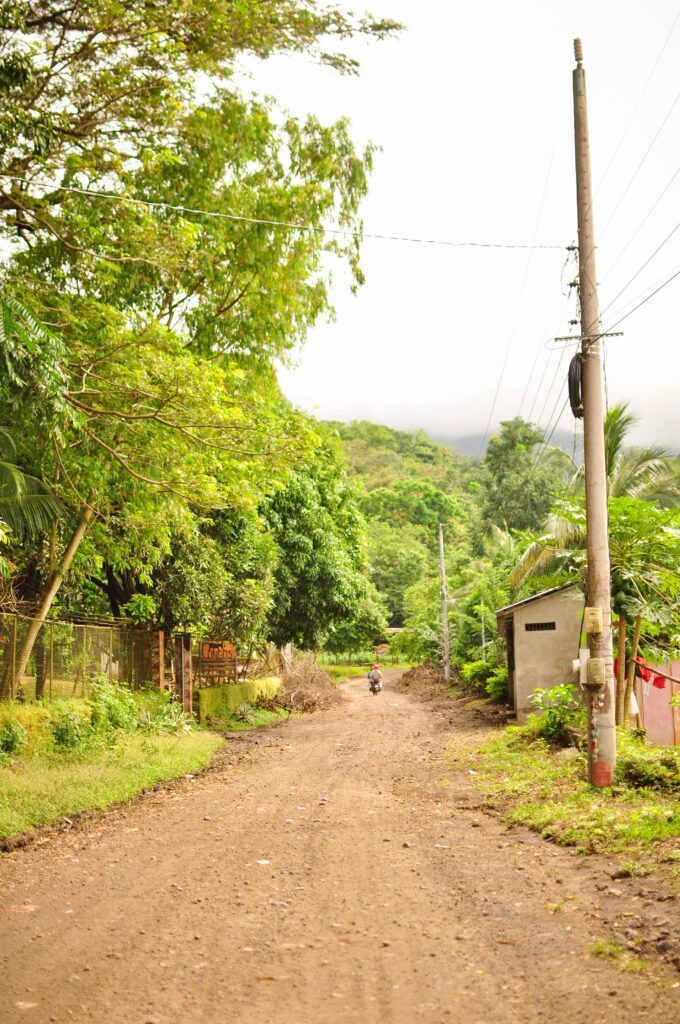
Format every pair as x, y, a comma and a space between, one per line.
660, 720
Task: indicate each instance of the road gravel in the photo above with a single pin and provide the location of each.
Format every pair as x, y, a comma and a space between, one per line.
336, 870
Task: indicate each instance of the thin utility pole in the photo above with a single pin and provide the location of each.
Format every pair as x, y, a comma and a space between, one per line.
597, 619
445, 608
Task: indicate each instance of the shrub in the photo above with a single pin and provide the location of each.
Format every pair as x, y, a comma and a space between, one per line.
13, 737
560, 714
476, 672
245, 712
112, 706
160, 712
497, 684
68, 729
647, 767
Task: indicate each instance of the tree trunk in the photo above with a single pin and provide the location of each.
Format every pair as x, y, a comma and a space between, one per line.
49, 593
630, 681
621, 671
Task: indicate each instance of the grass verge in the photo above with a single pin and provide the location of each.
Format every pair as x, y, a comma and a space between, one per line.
341, 673
260, 717
43, 789
545, 789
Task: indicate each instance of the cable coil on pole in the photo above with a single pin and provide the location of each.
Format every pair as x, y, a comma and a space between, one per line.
575, 388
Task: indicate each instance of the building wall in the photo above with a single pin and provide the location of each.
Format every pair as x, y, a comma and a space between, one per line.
543, 659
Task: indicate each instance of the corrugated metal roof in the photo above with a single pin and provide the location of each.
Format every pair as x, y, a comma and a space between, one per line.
535, 597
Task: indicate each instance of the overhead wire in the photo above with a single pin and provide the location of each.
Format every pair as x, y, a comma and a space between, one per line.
640, 269
640, 98
525, 277
271, 222
541, 345
641, 164
643, 302
642, 223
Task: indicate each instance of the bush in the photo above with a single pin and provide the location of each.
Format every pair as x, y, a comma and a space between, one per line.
560, 714
647, 767
245, 712
476, 673
497, 684
159, 712
112, 706
13, 738
68, 729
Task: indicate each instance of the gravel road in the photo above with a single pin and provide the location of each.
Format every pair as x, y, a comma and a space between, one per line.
327, 873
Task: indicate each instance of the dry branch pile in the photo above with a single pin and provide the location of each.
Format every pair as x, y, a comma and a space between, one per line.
422, 681
308, 688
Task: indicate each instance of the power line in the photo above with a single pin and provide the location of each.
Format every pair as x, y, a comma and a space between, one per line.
644, 301
645, 264
637, 104
541, 346
519, 306
641, 163
644, 220
269, 222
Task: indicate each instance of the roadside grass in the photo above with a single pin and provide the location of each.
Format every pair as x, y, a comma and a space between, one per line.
260, 717
341, 673
614, 952
49, 786
537, 786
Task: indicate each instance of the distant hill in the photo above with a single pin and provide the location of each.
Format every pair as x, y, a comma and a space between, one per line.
471, 444
380, 456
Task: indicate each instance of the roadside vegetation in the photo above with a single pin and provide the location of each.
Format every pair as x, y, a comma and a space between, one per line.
536, 775
63, 757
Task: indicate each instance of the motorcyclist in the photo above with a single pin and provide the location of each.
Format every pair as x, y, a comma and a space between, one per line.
375, 678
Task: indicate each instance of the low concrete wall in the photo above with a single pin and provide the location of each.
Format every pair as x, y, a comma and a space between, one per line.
220, 701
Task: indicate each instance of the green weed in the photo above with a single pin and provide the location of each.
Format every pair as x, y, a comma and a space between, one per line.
54, 785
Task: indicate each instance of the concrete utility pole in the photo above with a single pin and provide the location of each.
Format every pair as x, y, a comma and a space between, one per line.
445, 608
597, 619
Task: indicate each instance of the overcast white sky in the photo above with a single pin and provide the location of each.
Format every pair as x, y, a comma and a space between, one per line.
472, 108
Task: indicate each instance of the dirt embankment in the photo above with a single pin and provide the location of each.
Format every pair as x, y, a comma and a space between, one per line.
334, 872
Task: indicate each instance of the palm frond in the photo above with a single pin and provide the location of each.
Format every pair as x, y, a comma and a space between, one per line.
617, 424
27, 504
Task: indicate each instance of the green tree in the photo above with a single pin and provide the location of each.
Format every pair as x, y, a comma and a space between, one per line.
320, 578
647, 472
518, 490
415, 503
398, 557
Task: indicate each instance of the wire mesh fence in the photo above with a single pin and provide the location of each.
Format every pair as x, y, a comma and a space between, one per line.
66, 656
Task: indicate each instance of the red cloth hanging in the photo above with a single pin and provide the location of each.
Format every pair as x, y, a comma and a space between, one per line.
642, 670
659, 682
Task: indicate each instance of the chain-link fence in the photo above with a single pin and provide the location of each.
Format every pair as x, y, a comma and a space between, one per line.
66, 656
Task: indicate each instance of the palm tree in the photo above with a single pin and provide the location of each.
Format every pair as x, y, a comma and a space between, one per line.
646, 474
27, 505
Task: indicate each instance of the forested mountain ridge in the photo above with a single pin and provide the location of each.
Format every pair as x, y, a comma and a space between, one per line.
379, 455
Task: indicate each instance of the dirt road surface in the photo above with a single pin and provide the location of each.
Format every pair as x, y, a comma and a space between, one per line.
324, 875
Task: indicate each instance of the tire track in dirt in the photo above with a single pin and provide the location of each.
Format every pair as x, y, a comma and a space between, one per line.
326, 876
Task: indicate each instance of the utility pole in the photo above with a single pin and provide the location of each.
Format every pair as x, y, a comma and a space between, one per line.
445, 608
597, 618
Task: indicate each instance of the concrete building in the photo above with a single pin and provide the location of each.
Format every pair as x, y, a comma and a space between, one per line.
542, 636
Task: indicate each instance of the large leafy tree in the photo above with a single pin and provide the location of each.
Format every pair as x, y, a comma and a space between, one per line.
518, 489
150, 397
398, 557
320, 577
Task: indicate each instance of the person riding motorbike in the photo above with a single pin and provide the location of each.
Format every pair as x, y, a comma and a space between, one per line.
375, 680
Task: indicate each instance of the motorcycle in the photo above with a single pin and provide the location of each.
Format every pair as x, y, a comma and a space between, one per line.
375, 686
